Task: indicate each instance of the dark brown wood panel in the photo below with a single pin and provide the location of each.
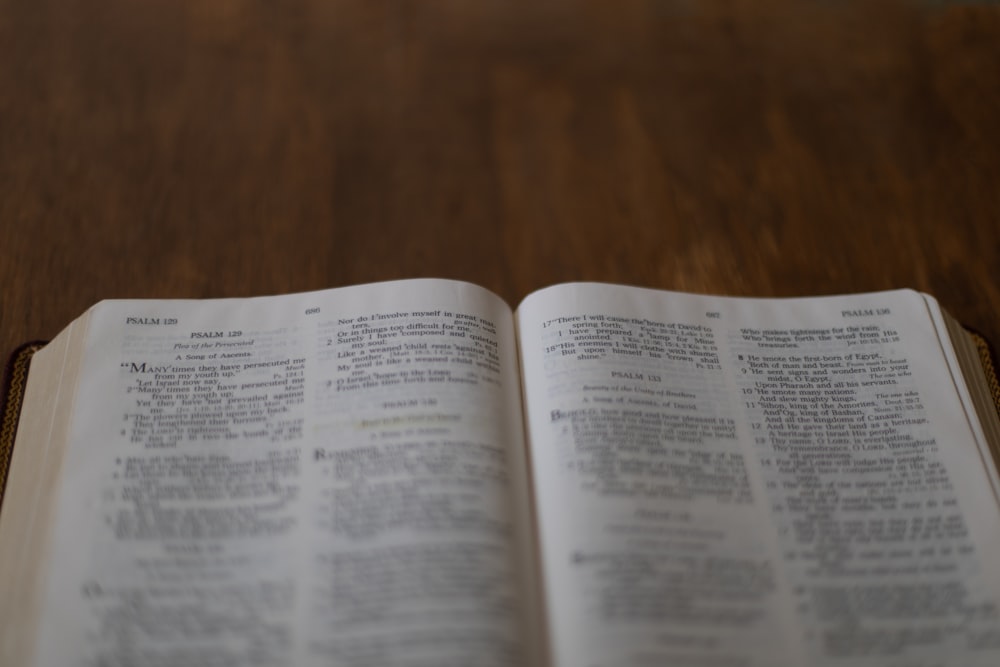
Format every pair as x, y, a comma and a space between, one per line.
181, 148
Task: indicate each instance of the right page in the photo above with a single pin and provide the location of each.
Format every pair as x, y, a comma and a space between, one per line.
724, 481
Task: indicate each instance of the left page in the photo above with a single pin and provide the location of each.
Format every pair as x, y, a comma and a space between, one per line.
325, 478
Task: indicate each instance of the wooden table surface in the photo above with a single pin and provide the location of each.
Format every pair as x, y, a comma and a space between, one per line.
183, 148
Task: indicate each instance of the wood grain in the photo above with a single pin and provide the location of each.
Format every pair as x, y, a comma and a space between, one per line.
181, 148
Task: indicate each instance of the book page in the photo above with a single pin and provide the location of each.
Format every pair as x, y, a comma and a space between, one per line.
755, 482
326, 478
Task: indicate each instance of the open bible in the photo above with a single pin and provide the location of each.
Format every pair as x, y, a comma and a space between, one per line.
411, 473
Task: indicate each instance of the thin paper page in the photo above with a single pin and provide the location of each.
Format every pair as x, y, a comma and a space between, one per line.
754, 482
314, 479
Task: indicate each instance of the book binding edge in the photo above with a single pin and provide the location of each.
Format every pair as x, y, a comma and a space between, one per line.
986, 359
15, 379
